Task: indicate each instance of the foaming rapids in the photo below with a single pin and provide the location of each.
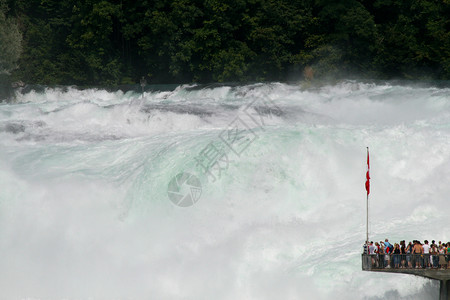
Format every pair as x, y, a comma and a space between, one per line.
88, 208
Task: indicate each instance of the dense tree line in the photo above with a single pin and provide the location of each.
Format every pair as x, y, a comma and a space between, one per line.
111, 42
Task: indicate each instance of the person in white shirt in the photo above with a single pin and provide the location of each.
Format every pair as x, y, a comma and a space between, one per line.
372, 248
426, 252
372, 252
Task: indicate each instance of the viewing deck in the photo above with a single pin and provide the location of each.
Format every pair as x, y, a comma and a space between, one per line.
424, 265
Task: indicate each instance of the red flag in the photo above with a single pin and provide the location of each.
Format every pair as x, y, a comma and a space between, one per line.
367, 174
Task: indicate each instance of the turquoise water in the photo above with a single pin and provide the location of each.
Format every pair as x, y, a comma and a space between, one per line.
85, 211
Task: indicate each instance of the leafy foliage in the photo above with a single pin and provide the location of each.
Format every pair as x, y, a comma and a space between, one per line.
110, 42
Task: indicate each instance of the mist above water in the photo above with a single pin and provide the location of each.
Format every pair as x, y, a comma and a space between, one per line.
84, 176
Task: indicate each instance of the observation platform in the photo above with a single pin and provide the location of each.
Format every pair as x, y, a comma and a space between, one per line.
379, 263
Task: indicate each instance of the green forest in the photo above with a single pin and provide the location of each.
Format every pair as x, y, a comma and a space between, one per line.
114, 42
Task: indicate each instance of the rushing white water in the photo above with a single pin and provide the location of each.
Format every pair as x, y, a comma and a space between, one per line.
85, 211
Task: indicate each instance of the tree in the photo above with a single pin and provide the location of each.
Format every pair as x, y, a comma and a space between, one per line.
92, 40
10, 41
110, 42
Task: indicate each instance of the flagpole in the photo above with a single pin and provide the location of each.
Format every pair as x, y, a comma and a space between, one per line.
367, 219
367, 198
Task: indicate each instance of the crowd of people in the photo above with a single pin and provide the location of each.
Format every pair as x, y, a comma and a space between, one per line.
412, 255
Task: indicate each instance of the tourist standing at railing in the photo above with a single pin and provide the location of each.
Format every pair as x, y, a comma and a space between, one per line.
387, 257
366, 262
377, 252
371, 248
389, 248
414, 258
396, 254
434, 255
372, 253
382, 259
447, 257
433, 243
388, 245
417, 249
442, 262
408, 254
382, 255
403, 253
444, 255
421, 260
426, 254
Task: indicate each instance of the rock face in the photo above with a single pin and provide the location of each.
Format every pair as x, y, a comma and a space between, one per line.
308, 72
7, 88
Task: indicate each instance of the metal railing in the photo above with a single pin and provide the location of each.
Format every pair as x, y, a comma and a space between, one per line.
405, 261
